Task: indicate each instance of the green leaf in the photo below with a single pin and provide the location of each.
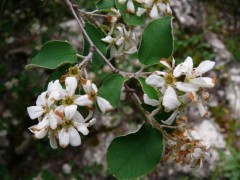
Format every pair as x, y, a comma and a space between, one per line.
96, 35
135, 154
111, 89
53, 54
150, 91
157, 41
130, 19
105, 4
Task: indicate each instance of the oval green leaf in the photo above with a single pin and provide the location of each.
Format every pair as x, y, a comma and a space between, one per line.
157, 41
53, 54
111, 89
150, 91
135, 154
96, 35
105, 4
130, 19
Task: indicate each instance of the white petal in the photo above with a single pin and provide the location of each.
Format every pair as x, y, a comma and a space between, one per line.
203, 82
112, 19
52, 120
83, 100
204, 67
170, 100
92, 121
169, 10
81, 127
78, 117
201, 108
35, 111
195, 135
120, 41
177, 71
166, 64
197, 153
63, 137
108, 39
71, 85
155, 81
115, 53
130, 7
60, 108
160, 73
43, 124
53, 97
187, 65
171, 119
94, 88
52, 140
41, 134
186, 87
42, 100
104, 105
154, 12
120, 31
90, 114
74, 137
70, 111
55, 86
87, 86
140, 11
149, 101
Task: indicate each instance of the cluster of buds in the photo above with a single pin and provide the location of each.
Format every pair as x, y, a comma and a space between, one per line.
57, 110
186, 147
151, 7
180, 86
121, 42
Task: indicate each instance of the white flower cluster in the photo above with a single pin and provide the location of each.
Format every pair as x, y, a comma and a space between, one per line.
151, 7
121, 41
187, 148
58, 115
180, 86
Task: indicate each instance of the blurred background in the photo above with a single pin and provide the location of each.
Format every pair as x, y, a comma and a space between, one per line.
203, 29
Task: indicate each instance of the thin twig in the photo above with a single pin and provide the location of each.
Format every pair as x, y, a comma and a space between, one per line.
115, 70
88, 38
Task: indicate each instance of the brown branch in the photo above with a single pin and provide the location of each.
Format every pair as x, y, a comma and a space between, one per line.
115, 70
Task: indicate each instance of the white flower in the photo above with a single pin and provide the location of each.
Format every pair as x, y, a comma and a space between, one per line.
170, 99
43, 104
70, 126
69, 100
91, 89
194, 76
121, 42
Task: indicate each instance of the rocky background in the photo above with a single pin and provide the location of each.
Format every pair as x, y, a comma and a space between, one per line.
203, 29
